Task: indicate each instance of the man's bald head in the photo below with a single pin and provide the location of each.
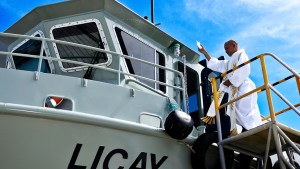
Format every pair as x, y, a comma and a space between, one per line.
231, 42
231, 47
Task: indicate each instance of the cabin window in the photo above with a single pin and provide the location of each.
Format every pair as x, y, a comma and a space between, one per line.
132, 46
88, 33
31, 47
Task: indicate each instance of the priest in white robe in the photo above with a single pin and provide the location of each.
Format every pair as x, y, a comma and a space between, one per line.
244, 111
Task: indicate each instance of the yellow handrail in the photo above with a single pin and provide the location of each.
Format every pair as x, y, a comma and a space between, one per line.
280, 81
280, 112
261, 88
238, 98
298, 84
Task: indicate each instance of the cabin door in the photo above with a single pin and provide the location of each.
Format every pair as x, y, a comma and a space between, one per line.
193, 92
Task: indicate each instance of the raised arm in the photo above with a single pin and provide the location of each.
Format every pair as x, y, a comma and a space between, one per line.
205, 53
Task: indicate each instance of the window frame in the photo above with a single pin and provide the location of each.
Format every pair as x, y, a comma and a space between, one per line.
156, 86
10, 64
102, 36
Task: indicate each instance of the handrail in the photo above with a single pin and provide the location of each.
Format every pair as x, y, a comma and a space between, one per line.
144, 85
284, 99
89, 65
238, 98
237, 67
268, 87
258, 90
85, 47
44, 40
280, 112
280, 81
261, 88
257, 57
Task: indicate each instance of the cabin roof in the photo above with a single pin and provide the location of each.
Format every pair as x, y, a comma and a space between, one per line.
67, 8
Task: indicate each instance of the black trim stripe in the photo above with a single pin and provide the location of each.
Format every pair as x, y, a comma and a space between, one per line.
237, 67
280, 81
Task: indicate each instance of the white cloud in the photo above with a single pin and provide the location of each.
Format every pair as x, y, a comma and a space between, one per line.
268, 18
266, 5
270, 5
278, 25
259, 25
273, 18
219, 12
279, 31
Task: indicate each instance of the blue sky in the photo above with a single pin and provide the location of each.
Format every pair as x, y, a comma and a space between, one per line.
257, 25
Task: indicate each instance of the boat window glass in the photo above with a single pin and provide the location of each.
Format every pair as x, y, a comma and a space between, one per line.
31, 47
160, 73
81, 33
133, 47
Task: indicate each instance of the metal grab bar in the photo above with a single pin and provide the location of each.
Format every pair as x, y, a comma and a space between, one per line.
146, 86
44, 40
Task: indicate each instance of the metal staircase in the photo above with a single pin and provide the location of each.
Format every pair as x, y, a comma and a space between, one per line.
269, 138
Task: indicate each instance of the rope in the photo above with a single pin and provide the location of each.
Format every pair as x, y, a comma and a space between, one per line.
185, 84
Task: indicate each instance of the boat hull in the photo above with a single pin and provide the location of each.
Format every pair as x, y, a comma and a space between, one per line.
31, 140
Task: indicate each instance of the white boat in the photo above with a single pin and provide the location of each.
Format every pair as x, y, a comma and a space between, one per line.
90, 84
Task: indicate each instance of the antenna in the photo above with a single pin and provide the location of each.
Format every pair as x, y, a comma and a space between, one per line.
152, 14
152, 11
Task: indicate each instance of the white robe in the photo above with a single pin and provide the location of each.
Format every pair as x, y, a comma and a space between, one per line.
247, 112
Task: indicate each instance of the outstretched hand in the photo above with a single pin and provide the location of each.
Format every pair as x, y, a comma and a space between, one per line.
201, 49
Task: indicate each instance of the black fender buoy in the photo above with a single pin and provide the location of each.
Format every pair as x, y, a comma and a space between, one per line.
178, 124
200, 159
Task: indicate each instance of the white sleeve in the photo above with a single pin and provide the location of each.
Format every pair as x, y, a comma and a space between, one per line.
217, 65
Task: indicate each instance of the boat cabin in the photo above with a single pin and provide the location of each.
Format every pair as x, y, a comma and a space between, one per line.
94, 43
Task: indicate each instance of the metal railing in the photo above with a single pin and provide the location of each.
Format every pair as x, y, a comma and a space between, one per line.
115, 54
266, 87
